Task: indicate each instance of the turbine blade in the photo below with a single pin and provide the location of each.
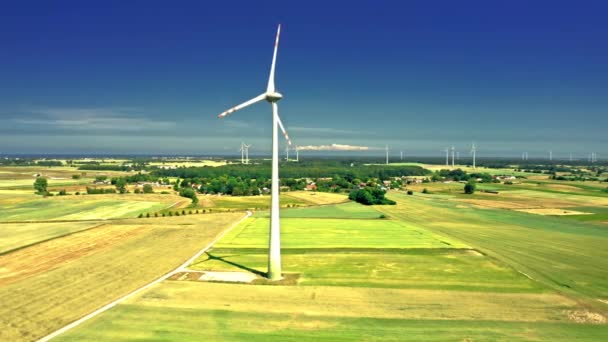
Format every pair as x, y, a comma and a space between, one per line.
283, 129
270, 88
243, 105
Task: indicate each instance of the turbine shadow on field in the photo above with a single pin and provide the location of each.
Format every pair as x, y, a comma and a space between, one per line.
243, 267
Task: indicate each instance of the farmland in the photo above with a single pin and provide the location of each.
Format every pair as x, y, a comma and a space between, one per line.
439, 266
526, 261
52, 283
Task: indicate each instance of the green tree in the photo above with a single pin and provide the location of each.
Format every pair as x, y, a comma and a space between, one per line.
189, 193
469, 188
148, 189
121, 185
40, 185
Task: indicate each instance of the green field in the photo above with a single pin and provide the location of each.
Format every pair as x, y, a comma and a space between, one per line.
89, 207
336, 233
437, 268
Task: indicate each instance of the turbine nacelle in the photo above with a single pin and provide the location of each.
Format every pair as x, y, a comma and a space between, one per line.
273, 96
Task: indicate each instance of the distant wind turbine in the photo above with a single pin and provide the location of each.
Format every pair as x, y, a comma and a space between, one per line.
386, 154
247, 153
473, 152
447, 156
453, 149
272, 96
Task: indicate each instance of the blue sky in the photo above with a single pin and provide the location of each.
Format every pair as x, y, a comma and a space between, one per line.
150, 77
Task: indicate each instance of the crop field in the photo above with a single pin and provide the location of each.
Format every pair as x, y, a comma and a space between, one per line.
87, 207
184, 163
528, 263
435, 268
292, 198
18, 235
47, 285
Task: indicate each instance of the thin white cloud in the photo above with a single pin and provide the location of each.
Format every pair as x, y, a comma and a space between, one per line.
333, 147
324, 130
93, 119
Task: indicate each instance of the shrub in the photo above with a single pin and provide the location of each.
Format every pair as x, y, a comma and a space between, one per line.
77, 193
508, 183
62, 192
137, 191
183, 212
469, 188
410, 192
163, 214
382, 216
189, 193
75, 176
155, 214
177, 213
170, 213
148, 189
425, 191
140, 215
147, 214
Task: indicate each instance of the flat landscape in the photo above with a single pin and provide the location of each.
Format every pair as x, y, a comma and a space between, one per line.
439, 266
524, 261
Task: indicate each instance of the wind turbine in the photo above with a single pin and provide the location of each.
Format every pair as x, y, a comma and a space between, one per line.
473, 151
242, 149
447, 156
287, 152
246, 153
386, 154
297, 154
401, 155
453, 149
550, 155
272, 96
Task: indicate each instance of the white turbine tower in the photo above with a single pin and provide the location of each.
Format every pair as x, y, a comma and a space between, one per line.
453, 149
297, 154
246, 153
401, 155
272, 96
447, 156
550, 155
386, 154
473, 152
242, 149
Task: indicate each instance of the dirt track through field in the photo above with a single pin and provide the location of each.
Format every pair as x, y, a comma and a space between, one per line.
145, 287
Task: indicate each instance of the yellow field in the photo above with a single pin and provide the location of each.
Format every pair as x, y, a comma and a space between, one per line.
48, 285
197, 163
317, 197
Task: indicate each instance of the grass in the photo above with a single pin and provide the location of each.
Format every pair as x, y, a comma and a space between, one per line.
89, 207
187, 312
443, 266
18, 235
350, 210
48, 285
447, 269
566, 255
379, 279
336, 233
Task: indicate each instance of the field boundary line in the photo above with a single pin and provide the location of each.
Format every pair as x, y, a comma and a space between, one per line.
145, 287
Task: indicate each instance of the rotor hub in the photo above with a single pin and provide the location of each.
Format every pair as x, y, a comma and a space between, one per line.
273, 96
